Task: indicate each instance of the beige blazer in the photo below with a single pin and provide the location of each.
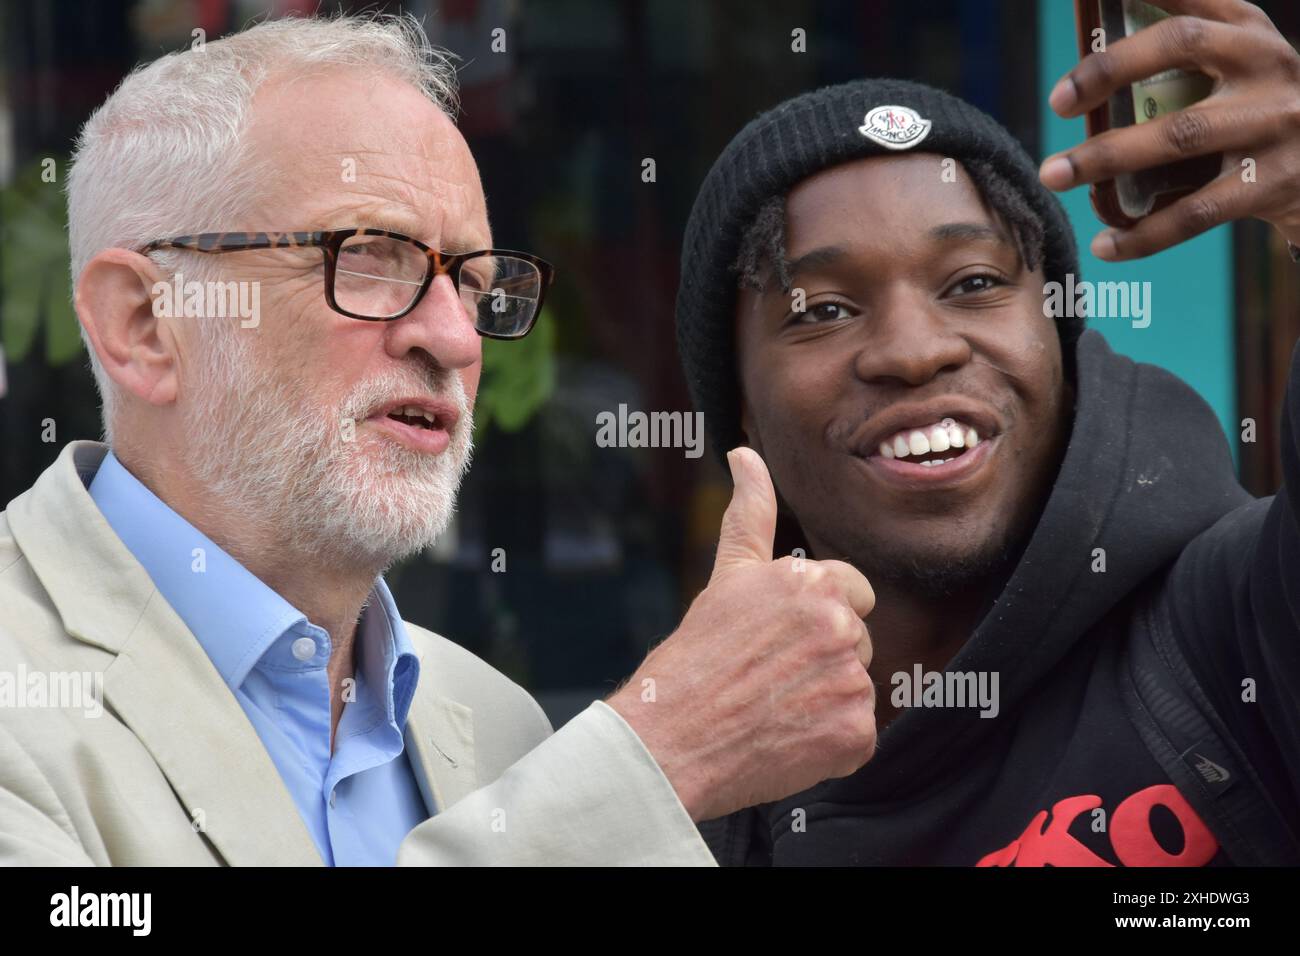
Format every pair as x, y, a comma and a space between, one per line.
170, 772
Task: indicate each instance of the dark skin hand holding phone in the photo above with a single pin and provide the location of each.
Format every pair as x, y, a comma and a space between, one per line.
1251, 117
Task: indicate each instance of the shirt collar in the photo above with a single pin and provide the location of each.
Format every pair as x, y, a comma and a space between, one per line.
234, 615
396, 667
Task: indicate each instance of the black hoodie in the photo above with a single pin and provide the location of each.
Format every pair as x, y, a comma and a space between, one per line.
1060, 775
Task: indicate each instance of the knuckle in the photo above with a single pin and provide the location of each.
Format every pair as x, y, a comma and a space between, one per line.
1096, 155
1291, 111
830, 573
1256, 13
852, 680
1139, 243
1187, 131
1288, 60
851, 628
865, 649
1186, 36
839, 621
1095, 72
814, 574
859, 723
1200, 213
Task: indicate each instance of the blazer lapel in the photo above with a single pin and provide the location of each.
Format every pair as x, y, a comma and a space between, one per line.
440, 741
440, 738
161, 683
164, 687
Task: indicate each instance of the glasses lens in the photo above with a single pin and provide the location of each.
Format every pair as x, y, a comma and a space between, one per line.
377, 276
502, 293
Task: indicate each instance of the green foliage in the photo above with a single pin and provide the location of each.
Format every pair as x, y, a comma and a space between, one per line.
34, 280
518, 378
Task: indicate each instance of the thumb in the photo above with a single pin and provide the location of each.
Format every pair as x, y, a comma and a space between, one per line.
749, 524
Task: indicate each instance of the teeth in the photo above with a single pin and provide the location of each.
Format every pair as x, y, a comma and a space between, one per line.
939, 437
411, 411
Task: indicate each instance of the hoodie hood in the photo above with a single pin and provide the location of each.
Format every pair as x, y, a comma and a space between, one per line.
1147, 468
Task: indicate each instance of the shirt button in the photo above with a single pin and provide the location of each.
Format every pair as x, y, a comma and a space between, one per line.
304, 648
333, 797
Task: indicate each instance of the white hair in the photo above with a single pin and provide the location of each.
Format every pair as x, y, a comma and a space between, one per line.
167, 155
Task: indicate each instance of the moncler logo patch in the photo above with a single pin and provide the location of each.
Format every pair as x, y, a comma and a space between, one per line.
894, 127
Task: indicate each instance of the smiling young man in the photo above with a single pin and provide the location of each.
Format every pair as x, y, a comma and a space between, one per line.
1046, 524
947, 479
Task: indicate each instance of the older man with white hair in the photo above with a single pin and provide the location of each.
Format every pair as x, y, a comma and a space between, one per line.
283, 267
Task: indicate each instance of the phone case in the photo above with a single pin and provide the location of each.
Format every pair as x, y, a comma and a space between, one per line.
1123, 201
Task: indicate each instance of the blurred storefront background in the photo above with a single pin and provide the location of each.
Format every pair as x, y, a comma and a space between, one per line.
603, 547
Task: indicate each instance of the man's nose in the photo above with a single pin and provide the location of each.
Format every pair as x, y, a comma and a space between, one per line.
440, 325
909, 340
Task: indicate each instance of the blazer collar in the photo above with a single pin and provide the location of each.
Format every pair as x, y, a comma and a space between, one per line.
164, 687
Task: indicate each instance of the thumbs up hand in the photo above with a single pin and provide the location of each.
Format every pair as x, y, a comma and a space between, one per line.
749, 523
763, 690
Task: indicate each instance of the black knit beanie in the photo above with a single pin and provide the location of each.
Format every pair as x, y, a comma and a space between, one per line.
787, 144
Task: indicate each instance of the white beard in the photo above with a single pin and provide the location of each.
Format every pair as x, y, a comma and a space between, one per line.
266, 452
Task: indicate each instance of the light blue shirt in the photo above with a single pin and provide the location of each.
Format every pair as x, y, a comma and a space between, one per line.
361, 801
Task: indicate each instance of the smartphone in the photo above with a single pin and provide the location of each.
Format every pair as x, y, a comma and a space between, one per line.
1122, 201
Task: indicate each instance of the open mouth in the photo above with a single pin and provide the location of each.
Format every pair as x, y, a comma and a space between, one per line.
933, 446
425, 427
415, 417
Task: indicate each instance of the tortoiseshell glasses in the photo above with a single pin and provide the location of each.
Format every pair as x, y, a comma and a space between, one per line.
379, 276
